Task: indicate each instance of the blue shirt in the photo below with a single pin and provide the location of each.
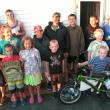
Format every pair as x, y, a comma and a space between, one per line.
106, 29
99, 64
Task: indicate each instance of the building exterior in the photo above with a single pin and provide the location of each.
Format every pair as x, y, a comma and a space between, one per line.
33, 12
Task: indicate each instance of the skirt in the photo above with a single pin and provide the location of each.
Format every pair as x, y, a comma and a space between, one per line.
33, 79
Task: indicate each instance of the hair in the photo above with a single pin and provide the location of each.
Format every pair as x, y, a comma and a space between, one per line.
8, 10
2, 29
72, 15
27, 38
54, 41
8, 46
97, 32
104, 48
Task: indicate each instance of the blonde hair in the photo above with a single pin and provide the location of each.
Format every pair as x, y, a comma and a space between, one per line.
104, 48
27, 38
54, 41
98, 32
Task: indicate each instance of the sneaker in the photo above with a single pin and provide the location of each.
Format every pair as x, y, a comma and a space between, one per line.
39, 99
31, 100
14, 104
49, 86
55, 94
22, 103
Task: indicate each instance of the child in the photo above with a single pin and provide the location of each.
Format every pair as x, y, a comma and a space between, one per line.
41, 42
55, 65
93, 49
13, 74
8, 38
32, 65
95, 45
76, 41
2, 81
100, 62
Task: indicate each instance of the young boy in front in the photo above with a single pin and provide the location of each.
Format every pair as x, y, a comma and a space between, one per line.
55, 65
13, 74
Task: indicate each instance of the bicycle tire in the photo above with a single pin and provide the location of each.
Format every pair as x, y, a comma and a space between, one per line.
69, 94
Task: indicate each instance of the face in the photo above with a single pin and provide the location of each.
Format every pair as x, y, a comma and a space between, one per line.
56, 19
39, 33
27, 44
9, 51
103, 53
72, 21
9, 15
53, 47
93, 21
7, 33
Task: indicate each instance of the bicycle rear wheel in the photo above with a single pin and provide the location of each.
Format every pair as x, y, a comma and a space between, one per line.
69, 94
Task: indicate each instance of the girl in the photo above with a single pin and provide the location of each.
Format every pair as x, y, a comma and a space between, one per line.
32, 64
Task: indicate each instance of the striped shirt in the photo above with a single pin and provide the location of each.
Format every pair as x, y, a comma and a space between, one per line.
99, 64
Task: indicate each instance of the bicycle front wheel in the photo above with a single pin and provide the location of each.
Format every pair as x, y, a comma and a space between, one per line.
69, 94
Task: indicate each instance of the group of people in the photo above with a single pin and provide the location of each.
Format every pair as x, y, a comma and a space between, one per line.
27, 60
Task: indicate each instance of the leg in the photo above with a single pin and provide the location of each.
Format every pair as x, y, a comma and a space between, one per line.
53, 83
59, 82
39, 97
31, 99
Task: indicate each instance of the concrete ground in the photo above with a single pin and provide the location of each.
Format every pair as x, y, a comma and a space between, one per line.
86, 102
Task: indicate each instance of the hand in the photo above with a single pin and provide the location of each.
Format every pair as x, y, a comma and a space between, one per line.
66, 54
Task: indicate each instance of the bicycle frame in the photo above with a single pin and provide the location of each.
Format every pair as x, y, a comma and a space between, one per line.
96, 87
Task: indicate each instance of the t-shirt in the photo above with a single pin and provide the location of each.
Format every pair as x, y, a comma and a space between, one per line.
99, 65
95, 46
14, 41
55, 62
12, 68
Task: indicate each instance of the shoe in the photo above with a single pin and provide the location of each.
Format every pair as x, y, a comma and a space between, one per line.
14, 104
55, 94
31, 100
39, 99
49, 86
22, 103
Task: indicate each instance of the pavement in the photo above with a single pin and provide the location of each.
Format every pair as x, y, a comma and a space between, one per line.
86, 102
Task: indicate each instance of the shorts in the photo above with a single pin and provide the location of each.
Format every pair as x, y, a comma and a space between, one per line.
74, 59
15, 85
43, 67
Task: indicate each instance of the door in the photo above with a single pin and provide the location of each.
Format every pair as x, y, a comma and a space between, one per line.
88, 9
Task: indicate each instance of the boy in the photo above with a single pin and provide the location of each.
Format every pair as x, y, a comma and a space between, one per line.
13, 74
55, 65
100, 62
93, 49
77, 43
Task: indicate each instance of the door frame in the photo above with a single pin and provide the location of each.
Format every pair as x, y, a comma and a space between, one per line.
102, 10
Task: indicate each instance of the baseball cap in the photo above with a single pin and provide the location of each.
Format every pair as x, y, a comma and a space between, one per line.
56, 14
38, 28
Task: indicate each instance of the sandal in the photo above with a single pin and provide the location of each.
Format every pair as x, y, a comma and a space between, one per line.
39, 99
31, 100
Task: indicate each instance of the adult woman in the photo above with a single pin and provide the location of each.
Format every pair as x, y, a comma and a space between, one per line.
15, 25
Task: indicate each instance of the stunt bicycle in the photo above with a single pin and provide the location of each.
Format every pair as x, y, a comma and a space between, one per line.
71, 92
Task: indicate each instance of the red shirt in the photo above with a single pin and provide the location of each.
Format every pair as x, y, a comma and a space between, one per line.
9, 59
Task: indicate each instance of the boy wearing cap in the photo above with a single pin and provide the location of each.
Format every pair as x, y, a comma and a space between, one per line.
56, 30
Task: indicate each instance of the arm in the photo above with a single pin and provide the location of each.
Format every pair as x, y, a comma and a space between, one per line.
82, 42
22, 30
89, 55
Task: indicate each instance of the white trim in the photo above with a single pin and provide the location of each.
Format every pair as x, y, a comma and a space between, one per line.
102, 10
